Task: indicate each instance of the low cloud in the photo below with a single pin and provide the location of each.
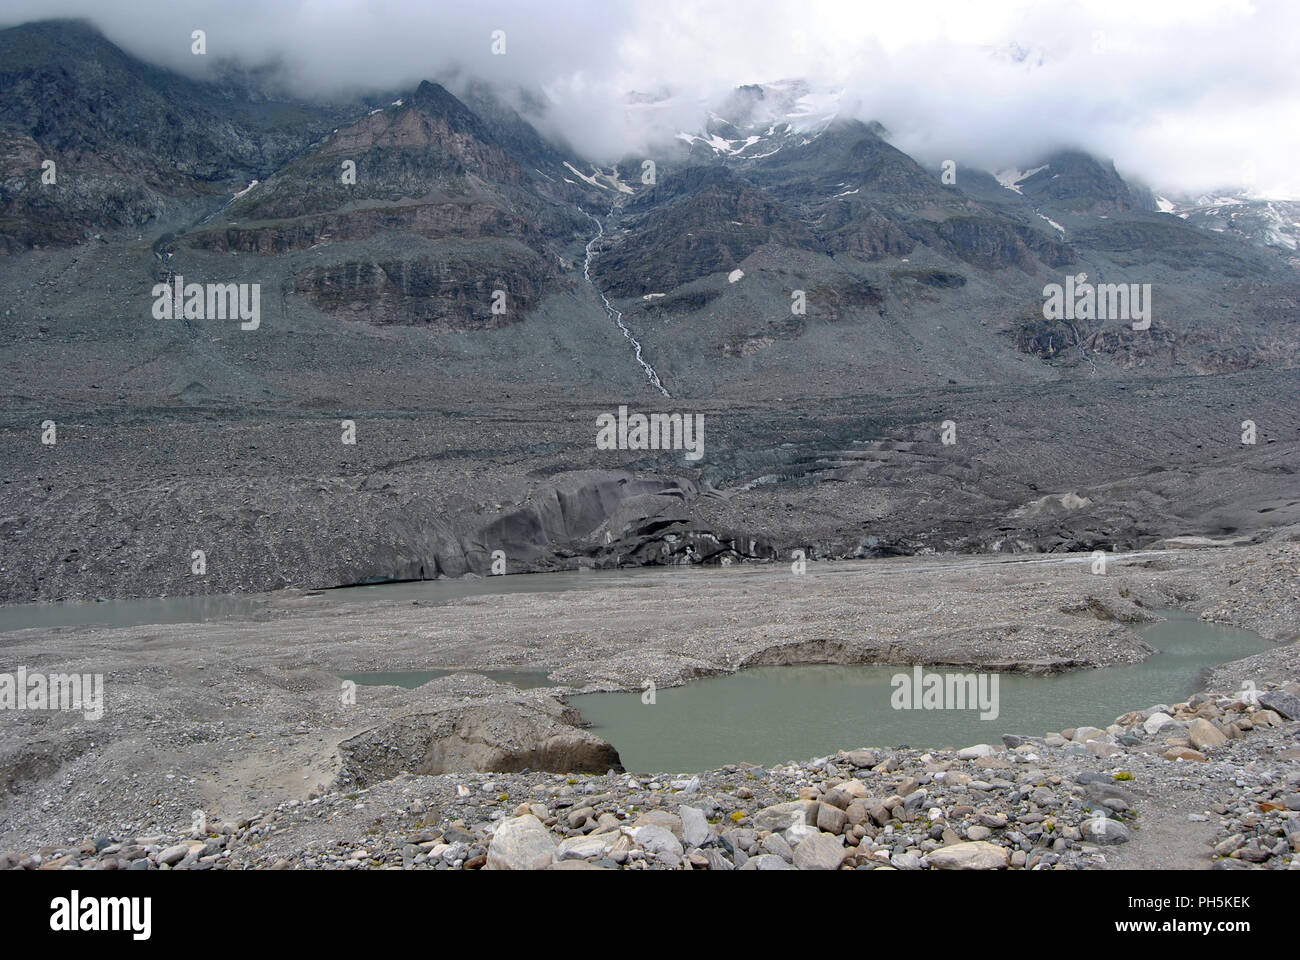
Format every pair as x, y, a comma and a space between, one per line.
1186, 96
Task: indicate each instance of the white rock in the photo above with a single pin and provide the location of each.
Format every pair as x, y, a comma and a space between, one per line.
820, 852
977, 855
586, 848
798, 833
695, 826
1153, 723
658, 842
521, 844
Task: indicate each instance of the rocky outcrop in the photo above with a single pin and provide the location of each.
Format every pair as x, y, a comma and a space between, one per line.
87, 197
450, 291
430, 144
854, 226
710, 232
428, 170
1075, 181
991, 244
470, 218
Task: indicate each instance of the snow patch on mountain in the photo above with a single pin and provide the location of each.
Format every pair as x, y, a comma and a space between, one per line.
1264, 221
601, 179
585, 179
1012, 178
1051, 221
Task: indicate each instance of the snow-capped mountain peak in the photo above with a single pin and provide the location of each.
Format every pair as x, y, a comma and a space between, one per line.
757, 120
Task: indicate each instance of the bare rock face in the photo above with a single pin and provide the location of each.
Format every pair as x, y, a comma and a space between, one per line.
93, 199
133, 142
853, 226
1079, 182
707, 233
464, 218
448, 290
425, 169
991, 244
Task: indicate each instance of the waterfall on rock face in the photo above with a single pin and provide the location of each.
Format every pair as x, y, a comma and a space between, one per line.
617, 315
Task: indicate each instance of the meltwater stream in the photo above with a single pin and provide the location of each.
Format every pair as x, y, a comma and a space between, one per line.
617, 315
767, 715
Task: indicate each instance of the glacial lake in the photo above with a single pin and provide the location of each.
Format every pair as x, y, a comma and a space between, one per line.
768, 715
126, 613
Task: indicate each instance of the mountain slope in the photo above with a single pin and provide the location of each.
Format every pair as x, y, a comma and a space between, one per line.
449, 215
783, 241
906, 275
130, 140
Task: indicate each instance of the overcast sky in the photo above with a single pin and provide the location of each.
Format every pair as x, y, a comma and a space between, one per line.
1187, 95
